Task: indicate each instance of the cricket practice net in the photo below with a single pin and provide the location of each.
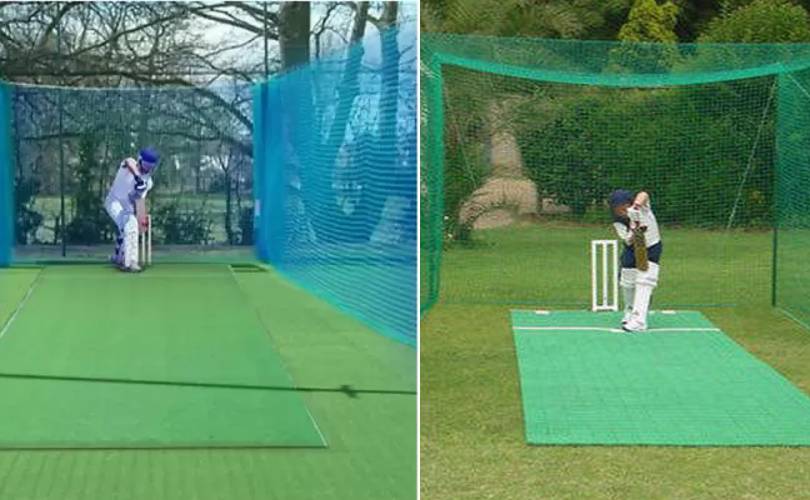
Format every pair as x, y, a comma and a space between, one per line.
64, 146
336, 172
523, 139
314, 169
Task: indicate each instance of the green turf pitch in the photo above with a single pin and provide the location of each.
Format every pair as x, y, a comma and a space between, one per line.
684, 382
172, 357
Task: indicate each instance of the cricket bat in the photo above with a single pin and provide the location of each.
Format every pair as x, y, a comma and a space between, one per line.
640, 249
141, 213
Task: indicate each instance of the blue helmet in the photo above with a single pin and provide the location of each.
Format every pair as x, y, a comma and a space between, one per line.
620, 197
148, 159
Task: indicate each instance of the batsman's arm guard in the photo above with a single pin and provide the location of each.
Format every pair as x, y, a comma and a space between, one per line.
624, 233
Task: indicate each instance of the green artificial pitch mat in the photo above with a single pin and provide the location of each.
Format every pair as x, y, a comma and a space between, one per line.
683, 382
172, 357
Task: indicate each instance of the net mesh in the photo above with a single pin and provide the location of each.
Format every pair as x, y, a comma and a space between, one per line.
336, 173
66, 147
791, 285
6, 180
525, 138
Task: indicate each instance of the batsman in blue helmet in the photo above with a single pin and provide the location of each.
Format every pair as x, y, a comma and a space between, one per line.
636, 226
125, 204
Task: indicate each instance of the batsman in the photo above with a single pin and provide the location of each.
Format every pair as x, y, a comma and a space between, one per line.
637, 228
126, 205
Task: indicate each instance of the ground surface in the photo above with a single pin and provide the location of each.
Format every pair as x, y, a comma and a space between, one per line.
473, 442
358, 386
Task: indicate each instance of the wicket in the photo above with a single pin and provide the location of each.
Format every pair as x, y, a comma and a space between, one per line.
145, 241
605, 252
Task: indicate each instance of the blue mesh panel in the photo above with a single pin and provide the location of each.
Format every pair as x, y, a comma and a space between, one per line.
6, 179
336, 180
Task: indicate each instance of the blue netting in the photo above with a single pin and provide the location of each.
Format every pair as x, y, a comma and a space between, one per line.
336, 181
6, 180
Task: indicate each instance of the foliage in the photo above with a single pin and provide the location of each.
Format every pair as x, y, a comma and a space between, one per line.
219, 183
596, 142
562, 157
650, 22
89, 223
182, 227
27, 220
545, 18
462, 178
760, 21
645, 20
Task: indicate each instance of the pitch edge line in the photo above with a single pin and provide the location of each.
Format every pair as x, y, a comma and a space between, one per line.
20, 306
273, 345
619, 330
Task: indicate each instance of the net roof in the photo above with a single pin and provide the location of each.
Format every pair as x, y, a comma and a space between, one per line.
609, 63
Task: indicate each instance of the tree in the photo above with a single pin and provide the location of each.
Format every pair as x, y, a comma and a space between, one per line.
153, 49
650, 22
294, 34
88, 224
589, 19
760, 21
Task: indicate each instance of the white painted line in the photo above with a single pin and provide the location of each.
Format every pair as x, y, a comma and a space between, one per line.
604, 329
683, 330
277, 350
20, 306
566, 328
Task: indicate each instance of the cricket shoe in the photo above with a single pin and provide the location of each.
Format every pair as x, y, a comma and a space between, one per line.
628, 315
134, 268
633, 326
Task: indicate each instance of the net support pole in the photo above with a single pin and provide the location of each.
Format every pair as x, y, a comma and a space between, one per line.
260, 171
62, 221
781, 84
435, 151
773, 263
6, 180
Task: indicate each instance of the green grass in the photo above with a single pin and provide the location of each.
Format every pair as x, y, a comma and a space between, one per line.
212, 204
473, 443
549, 265
358, 385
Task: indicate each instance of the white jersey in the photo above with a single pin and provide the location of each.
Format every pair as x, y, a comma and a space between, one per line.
123, 187
647, 219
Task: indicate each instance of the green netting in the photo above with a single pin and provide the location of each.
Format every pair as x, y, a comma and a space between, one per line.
792, 234
523, 139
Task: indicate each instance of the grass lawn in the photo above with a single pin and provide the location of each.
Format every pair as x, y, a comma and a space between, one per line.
213, 205
473, 443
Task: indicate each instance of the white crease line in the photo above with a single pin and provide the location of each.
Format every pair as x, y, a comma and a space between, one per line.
20, 306
616, 330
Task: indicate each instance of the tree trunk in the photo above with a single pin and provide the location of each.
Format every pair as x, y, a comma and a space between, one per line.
228, 222
294, 32
389, 16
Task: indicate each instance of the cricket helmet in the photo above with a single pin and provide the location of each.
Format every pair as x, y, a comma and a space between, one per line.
620, 197
148, 158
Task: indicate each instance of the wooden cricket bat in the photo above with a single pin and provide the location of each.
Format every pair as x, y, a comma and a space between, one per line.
141, 213
640, 249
